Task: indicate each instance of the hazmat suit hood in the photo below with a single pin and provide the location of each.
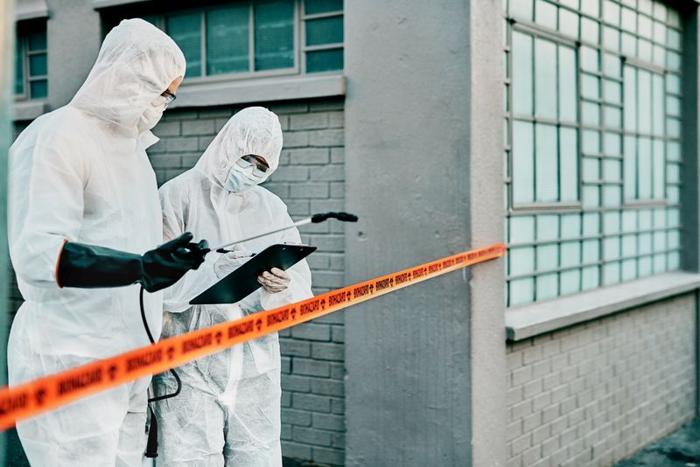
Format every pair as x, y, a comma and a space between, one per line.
253, 130
136, 63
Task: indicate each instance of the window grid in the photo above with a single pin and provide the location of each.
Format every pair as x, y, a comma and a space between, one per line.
337, 47
301, 50
557, 249
31, 49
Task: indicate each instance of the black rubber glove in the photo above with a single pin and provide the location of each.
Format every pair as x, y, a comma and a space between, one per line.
90, 266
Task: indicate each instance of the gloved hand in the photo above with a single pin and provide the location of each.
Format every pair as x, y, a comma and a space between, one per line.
90, 266
165, 265
275, 280
230, 261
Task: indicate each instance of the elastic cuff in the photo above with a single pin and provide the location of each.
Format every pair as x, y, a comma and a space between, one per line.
58, 262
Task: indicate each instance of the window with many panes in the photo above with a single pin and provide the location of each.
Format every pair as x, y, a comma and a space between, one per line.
31, 67
592, 156
258, 37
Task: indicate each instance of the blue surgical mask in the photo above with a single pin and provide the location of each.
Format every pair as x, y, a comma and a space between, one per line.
239, 180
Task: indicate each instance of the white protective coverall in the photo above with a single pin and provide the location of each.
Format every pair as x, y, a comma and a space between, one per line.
229, 410
81, 174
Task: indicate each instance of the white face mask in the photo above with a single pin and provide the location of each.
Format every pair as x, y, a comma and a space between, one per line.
241, 178
152, 115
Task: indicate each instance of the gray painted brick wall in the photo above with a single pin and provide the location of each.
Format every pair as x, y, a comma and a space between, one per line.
310, 179
595, 393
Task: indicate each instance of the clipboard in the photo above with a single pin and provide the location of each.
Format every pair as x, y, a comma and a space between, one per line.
244, 280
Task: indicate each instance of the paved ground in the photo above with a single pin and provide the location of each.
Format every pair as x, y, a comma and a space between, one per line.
679, 449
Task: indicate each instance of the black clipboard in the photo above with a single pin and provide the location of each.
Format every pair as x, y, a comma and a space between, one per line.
244, 280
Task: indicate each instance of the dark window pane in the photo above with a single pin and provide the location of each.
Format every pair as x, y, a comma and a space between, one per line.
37, 65
324, 31
39, 88
155, 20
37, 40
19, 68
324, 60
274, 34
322, 6
186, 30
227, 39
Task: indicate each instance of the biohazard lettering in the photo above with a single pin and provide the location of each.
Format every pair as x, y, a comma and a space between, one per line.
79, 381
11, 404
336, 298
240, 329
306, 308
143, 360
402, 278
384, 284
196, 343
278, 317
361, 291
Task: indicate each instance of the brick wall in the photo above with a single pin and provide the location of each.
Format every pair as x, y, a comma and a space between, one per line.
310, 179
595, 393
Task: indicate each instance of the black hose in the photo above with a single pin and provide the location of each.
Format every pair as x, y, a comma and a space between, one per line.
153, 341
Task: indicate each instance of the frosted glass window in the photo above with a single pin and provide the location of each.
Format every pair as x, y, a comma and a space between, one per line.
186, 30
252, 36
567, 84
274, 34
547, 286
523, 162
594, 143
522, 229
227, 39
570, 282
546, 183
522, 74
545, 14
547, 257
568, 160
545, 78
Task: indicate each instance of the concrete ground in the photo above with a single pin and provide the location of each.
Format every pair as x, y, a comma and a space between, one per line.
679, 449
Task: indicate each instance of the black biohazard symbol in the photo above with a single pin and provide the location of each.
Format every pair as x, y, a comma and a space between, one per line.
258, 324
371, 288
218, 337
170, 352
293, 313
112, 370
349, 294
40, 395
323, 303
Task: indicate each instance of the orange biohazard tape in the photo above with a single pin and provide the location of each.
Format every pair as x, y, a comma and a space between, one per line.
43, 394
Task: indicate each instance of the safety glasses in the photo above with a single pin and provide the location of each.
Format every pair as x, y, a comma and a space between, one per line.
260, 166
169, 97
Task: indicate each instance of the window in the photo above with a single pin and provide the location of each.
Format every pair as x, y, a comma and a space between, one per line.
31, 67
593, 144
259, 37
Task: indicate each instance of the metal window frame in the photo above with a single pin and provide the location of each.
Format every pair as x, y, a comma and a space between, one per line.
666, 206
27, 79
299, 36
313, 48
559, 40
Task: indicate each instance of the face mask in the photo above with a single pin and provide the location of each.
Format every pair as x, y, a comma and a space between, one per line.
152, 115
240, 180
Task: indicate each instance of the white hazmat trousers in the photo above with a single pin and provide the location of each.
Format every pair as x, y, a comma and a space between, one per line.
81, 174
229, 410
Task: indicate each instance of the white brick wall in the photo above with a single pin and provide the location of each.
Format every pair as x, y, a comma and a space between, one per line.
595, 393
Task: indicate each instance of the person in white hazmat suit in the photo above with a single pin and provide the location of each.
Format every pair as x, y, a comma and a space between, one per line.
84, 214
228, 412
